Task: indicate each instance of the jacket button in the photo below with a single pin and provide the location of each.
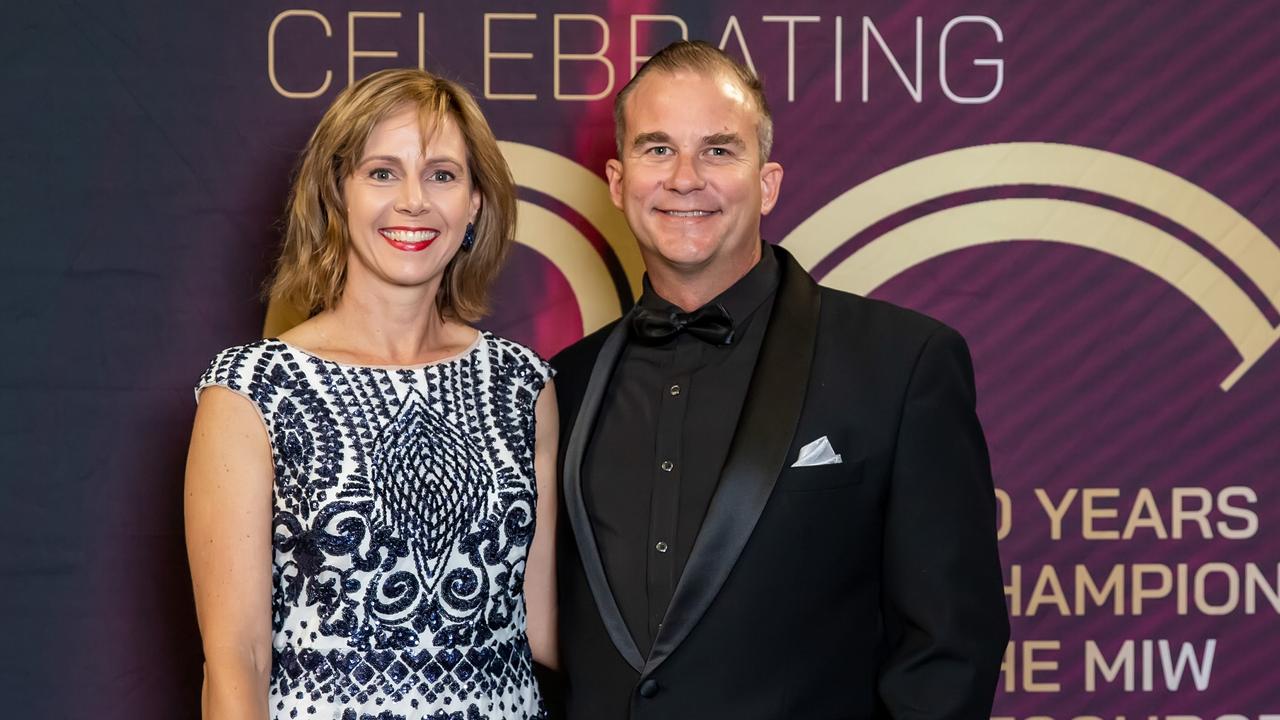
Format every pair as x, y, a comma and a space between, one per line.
648, 688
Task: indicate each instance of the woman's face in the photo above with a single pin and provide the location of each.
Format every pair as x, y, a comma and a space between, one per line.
408, 204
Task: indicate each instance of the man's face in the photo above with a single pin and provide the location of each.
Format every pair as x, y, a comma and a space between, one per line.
690, 180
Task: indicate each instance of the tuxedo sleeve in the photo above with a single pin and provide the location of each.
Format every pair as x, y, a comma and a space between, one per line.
943, 595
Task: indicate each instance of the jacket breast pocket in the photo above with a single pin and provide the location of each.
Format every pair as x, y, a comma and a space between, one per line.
816, 478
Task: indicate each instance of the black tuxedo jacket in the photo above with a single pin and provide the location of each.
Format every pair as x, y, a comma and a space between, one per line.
866, 589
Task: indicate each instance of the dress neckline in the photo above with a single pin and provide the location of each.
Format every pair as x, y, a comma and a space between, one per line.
464, 353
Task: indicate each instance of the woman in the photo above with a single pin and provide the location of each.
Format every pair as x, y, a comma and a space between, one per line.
361, 491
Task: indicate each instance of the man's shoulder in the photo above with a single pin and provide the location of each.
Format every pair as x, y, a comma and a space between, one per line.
878, 318
883, 340
575, 362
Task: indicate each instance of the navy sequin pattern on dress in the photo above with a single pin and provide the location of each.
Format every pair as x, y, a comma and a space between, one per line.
404, 508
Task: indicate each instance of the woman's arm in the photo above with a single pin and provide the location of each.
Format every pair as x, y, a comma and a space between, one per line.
228, 518
540, 570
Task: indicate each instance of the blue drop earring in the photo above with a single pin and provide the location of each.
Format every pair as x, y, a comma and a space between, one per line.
469, 237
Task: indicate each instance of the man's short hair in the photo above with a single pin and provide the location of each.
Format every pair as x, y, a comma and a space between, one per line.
703, 58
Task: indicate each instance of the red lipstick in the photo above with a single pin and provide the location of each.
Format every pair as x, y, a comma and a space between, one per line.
409, 239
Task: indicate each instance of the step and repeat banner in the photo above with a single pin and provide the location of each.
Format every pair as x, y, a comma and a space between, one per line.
1088, 191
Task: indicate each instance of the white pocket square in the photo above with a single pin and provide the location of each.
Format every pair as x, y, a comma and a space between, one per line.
818, 452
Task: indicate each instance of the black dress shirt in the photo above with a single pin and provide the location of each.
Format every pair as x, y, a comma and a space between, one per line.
659, 444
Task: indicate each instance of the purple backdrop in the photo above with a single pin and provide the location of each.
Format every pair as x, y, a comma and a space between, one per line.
148, 152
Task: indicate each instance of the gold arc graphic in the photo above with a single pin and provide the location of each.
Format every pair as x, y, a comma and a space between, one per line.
552, 237
1099, 171
574, 185
1073, 223
984, 166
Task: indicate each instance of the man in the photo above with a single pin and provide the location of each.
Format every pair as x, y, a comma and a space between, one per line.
779, 495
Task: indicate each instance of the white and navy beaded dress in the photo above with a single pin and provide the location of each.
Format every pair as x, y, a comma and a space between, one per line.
404, 508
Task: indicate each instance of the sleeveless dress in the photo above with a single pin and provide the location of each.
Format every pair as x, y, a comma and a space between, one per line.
404, 508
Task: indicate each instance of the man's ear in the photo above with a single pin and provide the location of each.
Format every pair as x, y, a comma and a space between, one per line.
770, 186
613, 172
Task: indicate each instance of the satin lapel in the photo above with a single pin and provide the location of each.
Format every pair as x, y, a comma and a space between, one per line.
577, 508
770, 414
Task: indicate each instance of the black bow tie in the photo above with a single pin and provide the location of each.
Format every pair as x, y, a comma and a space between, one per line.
709, 323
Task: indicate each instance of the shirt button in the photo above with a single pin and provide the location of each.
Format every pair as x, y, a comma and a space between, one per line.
675, 390
660, 547
667, 465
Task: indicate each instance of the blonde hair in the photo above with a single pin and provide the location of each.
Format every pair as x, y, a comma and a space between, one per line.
704, 58
311, 271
